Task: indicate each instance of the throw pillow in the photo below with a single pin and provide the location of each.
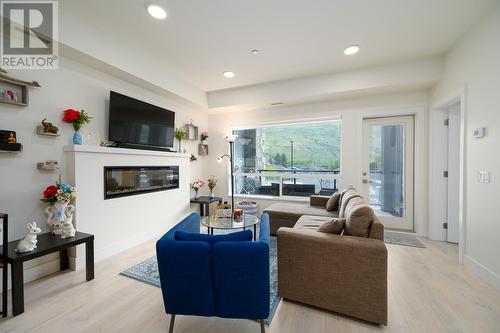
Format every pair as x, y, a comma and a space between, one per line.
335, 226
333, 202
359, 221
346, 197
245, 235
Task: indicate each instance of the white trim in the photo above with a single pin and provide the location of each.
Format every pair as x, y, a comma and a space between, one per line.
460, 96
483, 272
294, 122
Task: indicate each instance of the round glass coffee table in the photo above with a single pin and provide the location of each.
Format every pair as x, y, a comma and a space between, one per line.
229, 223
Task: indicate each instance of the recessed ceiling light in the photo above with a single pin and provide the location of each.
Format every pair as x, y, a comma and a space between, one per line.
254, 52
350, 50
157, 12
229, 74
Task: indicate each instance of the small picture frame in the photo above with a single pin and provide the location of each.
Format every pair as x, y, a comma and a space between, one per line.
202, 149
191, 132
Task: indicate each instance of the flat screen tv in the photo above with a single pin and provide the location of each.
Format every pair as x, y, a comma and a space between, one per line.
133, 122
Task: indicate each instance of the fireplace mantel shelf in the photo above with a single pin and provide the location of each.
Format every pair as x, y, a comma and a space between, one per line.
121, 151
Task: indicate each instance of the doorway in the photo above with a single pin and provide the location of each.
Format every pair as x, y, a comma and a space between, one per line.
388, 169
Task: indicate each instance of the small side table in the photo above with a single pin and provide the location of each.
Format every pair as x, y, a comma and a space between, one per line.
47, 243
205, 202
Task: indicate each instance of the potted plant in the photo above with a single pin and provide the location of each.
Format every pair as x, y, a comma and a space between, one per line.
77, 119
196, 186
180, 134
58, 196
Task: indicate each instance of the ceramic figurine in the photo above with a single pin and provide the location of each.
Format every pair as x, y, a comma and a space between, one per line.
28, 243
68, 230
48, 127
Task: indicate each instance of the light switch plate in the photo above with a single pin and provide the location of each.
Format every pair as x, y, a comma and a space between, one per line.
483, 177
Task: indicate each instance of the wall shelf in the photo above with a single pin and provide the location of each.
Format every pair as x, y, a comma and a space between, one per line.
10, 147
8, 101
39, 131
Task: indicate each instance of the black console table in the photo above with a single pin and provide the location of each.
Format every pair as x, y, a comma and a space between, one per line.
47, 243
205, 202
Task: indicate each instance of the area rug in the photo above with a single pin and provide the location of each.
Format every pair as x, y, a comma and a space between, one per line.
401, 239
147, 272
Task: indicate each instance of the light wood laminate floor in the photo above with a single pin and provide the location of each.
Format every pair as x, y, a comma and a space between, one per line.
428, 292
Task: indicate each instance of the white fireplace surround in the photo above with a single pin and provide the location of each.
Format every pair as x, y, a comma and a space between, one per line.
121, 223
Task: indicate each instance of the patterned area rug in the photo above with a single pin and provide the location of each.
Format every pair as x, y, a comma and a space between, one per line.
401, 239
147, 272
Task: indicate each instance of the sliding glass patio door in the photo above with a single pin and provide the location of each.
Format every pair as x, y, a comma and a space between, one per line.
388, 167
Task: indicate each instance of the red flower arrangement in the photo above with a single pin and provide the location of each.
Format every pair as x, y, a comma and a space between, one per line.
50, 191
76, 118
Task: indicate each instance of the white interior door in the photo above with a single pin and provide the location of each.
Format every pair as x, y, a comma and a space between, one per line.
388, 163
452, 233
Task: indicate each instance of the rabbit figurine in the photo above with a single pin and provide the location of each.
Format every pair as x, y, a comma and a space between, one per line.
68, 230
28, 243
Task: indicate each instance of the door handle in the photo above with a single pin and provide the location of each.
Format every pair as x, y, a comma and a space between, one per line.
365, 173
365, 181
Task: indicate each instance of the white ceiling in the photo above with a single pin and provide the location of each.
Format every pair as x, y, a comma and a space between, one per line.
296, 38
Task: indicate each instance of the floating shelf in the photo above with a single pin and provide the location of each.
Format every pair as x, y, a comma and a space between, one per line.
11, 147
8, 101
39, 131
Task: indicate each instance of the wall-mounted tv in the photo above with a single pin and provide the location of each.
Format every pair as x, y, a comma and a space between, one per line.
134, 122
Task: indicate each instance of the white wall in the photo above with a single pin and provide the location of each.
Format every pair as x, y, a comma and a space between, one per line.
474, 62
351, 113
72, 86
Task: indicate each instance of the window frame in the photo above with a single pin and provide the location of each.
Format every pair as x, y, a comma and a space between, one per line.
282, 175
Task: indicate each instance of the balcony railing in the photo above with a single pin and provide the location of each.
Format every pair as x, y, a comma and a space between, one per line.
287, 183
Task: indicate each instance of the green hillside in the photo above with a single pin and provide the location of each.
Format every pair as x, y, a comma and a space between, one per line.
316, 146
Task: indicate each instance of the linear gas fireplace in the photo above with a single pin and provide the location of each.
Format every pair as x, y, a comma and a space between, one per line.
125, 181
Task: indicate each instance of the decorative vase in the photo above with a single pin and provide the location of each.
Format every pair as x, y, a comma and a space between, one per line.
77, 138
196, 196
179, 150
211, 195
57, 213
204, 142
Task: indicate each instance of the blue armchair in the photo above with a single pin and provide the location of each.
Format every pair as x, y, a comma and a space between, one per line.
214, 275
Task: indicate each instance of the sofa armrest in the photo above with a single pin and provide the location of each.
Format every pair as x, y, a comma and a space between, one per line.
318, 200
340, 273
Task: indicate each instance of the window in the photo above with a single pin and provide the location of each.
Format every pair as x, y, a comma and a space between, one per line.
289, 160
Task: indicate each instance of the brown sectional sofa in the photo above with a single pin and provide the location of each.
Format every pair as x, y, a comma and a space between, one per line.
342, 273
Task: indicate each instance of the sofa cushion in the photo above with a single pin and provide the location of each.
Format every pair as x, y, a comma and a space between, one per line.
245, 235
298, 209
311, 222
346, 197
359, 218
334, 226
333, 203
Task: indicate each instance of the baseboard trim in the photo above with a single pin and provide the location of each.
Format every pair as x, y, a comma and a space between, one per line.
483, 272
36, 272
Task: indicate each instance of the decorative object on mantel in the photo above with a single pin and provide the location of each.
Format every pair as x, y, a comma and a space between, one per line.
180, 134
212, 182
204, 137
193, 158
59, 196
28, 243
50, 165
196, 186
191, 131
202, 149
77, 119
15, 91
8, 141
47, 128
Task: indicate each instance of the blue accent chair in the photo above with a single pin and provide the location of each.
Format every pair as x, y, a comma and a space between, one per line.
214, 275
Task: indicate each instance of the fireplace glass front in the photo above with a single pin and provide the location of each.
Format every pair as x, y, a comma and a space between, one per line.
125, 181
